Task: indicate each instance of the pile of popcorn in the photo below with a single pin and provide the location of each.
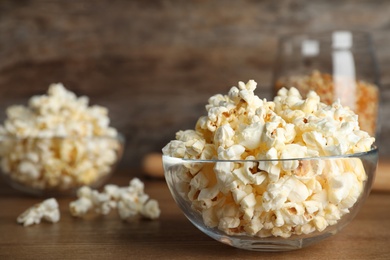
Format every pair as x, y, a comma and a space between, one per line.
271, 197
57, 142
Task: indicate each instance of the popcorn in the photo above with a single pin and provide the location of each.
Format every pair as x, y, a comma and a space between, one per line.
89, 199
57, 142
46, 210
129, 201
278, 195
151, 209
364, 102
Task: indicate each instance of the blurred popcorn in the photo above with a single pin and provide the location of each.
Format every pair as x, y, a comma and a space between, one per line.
57, 141
46, 210
130, 201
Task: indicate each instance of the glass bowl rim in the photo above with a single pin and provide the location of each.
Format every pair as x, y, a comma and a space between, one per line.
374, 150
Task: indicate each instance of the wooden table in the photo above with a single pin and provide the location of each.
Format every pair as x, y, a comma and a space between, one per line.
171, 236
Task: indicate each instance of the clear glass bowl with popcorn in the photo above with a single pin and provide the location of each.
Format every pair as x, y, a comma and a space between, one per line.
337, 65
58, 143
271, 175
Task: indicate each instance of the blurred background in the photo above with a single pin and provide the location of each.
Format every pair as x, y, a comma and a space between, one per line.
154, 64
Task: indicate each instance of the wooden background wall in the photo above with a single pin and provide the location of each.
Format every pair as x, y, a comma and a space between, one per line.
155, 63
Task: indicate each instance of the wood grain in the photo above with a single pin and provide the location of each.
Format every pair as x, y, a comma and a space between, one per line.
382, 178
170, 237
155, 63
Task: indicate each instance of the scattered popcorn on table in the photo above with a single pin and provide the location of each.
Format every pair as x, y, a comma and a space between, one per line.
271, 198
57, 141
47, 210
130, 201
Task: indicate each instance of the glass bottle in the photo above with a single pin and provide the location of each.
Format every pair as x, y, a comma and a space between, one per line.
337, 65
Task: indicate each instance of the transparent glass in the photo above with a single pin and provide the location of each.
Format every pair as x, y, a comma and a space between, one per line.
264, 212
59, 165
337, 65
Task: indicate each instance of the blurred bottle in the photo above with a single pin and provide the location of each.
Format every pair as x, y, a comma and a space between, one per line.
337, 65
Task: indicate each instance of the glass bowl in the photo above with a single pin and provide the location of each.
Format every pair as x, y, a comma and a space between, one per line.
271, 205
58, 165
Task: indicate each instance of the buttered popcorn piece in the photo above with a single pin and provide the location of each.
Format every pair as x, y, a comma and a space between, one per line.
129, 201
251, 191
47, 210
57, 141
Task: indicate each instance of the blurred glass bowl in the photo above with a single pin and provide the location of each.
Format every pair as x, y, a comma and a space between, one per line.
59, 165
314, 201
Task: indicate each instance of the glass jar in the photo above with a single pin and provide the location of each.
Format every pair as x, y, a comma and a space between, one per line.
337, 65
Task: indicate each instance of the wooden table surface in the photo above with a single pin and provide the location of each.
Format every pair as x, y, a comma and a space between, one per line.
171, 236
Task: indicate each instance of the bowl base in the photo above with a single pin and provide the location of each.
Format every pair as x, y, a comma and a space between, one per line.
270, 244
